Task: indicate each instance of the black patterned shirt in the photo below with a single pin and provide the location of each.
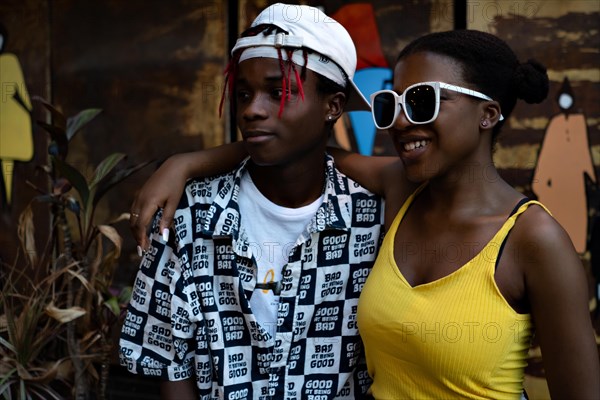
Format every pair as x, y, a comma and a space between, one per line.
190, 315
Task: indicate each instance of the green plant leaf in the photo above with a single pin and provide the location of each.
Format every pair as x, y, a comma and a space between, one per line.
125, 295
58, 136
113, 305
58, 118
88, 215
74, 176
121, 175
106, 166
74, 124
57, 133
6, 344
3, 381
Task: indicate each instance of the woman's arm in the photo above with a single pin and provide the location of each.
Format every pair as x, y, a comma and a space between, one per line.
558, 294
366, 170
384, 176
381, 175
164, 187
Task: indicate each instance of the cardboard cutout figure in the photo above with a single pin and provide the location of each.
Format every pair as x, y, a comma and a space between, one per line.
564, 158
16, 139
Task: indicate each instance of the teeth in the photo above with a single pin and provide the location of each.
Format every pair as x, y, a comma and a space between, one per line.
415, 145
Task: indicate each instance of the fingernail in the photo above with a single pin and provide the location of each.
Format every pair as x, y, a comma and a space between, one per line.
139, 251
165, 234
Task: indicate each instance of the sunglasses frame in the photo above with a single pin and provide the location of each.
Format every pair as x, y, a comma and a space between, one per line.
399, 103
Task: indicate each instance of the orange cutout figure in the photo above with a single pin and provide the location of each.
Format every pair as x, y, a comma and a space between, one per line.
564, 158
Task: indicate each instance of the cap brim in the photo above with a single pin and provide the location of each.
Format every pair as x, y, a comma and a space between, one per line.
356, 101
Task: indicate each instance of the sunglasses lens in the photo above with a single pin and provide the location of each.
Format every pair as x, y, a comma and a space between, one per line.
384, 109
420, 103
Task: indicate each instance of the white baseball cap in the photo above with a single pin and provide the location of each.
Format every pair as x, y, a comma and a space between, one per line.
310, 28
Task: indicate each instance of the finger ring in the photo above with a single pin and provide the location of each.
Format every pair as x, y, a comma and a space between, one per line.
135, 215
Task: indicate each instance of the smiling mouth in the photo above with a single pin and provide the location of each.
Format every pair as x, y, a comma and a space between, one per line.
418, 144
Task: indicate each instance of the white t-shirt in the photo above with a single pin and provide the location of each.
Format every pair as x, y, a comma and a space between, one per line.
272, 232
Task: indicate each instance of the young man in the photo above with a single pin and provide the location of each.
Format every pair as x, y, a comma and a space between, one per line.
254, 295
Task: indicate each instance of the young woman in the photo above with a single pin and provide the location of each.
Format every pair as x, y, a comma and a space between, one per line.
469, 269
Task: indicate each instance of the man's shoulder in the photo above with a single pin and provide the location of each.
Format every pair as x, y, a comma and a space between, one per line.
346, 183
206, 189
353, 186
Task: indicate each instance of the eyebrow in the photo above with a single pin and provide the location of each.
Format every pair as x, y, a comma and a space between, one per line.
274, 78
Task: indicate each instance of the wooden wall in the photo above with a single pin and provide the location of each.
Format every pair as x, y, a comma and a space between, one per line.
153, 67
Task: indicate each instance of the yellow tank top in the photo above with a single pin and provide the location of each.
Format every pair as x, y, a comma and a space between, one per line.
455, 337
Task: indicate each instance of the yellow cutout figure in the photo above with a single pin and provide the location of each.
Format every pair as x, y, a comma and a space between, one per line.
564, 158
16, 139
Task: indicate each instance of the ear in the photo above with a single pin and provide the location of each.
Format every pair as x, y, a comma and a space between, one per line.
491, 115
335, 107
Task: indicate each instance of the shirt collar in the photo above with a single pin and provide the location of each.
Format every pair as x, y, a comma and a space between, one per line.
333, 213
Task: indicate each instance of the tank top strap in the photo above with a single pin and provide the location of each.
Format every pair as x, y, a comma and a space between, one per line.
523, 205
524, 200
403, 209
519, 209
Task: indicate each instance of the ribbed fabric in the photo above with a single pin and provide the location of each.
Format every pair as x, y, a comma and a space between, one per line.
455, 337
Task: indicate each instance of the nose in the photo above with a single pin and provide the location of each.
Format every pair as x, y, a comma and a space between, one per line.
401, 121
254, 108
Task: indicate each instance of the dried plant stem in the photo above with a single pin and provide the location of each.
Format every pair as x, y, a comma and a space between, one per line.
81, 388
104, 367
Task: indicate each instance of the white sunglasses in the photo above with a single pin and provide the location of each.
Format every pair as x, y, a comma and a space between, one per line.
420, 103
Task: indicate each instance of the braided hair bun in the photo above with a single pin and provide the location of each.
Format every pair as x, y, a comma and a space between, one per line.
530, 82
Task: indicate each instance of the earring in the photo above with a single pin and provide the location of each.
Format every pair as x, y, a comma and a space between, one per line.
329, 117
484, 123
